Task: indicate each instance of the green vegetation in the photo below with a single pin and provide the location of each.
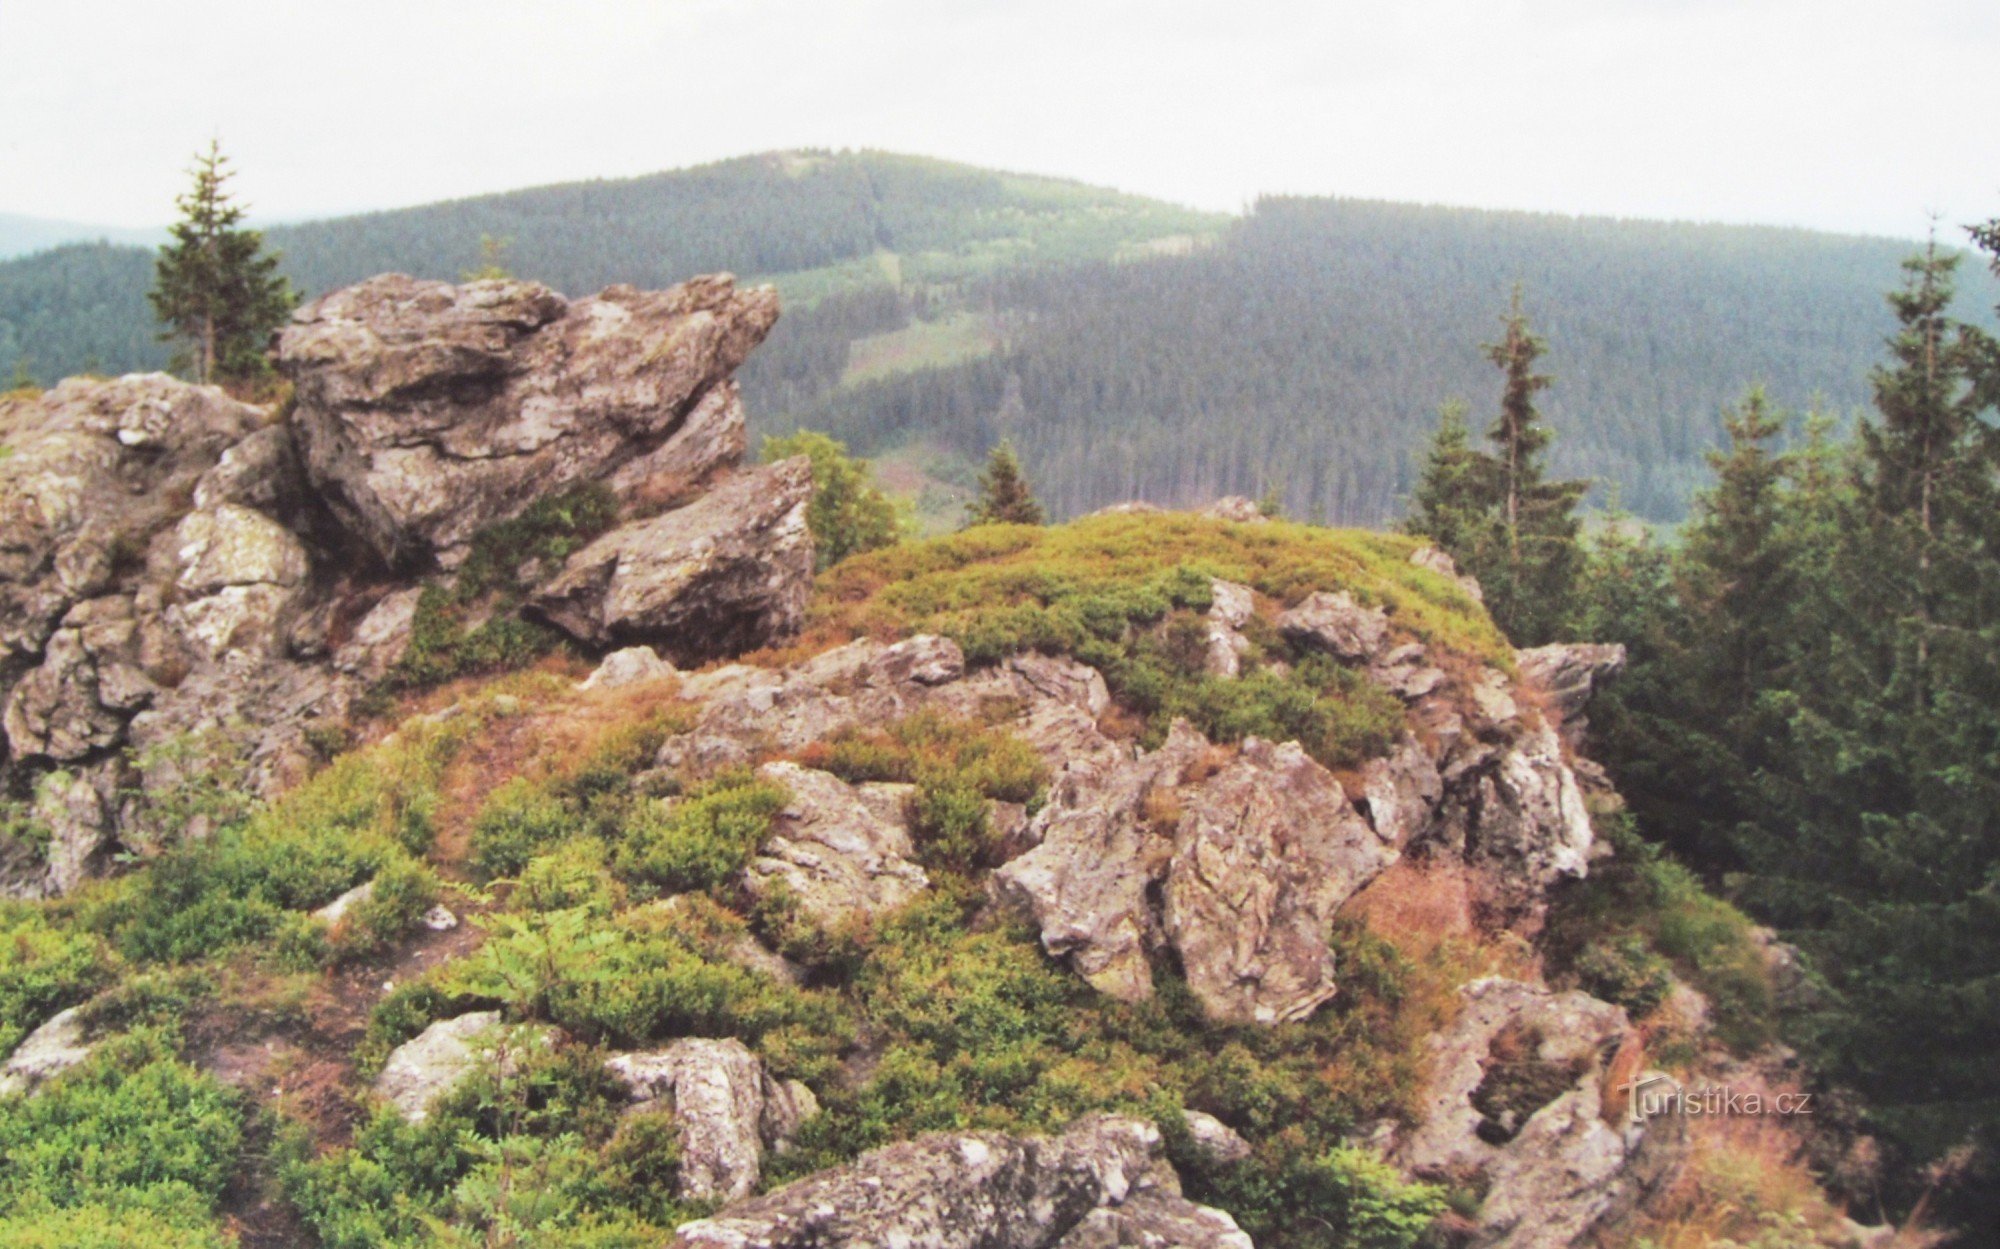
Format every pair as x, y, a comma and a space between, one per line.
443, 646
43, 969
1495, 513
1004, 495
130, 1149
1123, 594
1810, 718
848, 513
214, 287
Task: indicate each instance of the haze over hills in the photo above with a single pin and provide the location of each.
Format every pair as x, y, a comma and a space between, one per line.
1130, 347
20, 235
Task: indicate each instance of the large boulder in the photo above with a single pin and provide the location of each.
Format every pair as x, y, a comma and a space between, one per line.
728, 1109
725, 574
427, 412
1103, 1182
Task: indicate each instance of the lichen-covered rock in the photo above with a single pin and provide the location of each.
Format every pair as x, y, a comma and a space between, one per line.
45, 1053
1100, 853
1265, 851
435, 1060
981, 1190
1517, 1096
1334, 623
727, 1107
725, 574
1237, 508
1239, 871
426, 412
833, 853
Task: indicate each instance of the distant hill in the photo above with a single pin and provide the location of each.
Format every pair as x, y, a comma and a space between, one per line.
21, 235
1131, 348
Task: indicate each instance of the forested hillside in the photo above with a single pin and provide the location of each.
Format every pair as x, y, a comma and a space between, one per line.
1130, 348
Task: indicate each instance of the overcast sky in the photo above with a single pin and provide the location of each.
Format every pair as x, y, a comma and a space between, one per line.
1847, 116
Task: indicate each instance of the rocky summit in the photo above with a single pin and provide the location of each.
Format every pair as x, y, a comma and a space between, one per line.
462, 758
176, 564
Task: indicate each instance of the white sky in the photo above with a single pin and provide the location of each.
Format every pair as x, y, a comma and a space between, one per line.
1834, 114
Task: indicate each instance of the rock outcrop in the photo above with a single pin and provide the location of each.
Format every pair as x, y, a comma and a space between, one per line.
184, 577
728, 1109
1568, 673
725, 574
426, 412
839, 857
1239, 871
1101, 1183
1520, 1100
1334, 623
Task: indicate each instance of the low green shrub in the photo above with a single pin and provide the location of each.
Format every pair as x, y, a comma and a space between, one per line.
700, 842
132, 1131
43, 969
1339, 1198
520, 820
403, 891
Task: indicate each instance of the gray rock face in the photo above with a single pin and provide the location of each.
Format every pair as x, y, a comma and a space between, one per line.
725, 574
1568, 673
45, 1053
832, 851
427, 412
1230, 608
1336, 624
728, 1109
435, 1060
1248, 865
1051, 703
1102, 1182
1265, 851
1557, 1161
1214, 1140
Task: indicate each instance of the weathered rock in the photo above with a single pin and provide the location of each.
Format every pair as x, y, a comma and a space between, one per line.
58, 710
1214, 1140
1099, 853
1230, 608
426, 412
1532, 825
982, 1190
728, 1109
631, 666
1401, 791
840, 860
1052, 704
435, 1060
335, 911
1265, 851
723, 575
1336, 624
1406, 672
78, 808
1568, 673
45, 1053
382, 636
1517, 1096
1239, 872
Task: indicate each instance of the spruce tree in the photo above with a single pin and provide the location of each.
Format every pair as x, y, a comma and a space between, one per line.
214, 286
1004, 495
1495, 512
